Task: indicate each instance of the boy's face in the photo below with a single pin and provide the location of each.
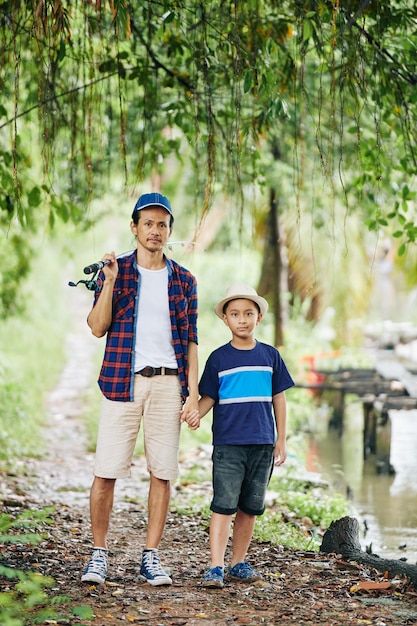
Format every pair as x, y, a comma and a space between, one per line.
242, 316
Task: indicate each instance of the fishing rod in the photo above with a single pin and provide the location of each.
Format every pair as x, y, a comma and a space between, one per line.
94, 268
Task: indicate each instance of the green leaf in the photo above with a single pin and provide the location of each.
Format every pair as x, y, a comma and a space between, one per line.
247, 84
34, 197
307, 30
371, 224
168, 17
83, 611
61, 51
107, 66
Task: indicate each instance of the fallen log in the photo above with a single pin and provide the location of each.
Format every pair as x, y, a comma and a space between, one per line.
342, 537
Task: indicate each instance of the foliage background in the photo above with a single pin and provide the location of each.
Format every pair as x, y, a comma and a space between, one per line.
226, 106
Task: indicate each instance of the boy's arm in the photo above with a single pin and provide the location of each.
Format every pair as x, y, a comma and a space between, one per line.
279, 404
204, 405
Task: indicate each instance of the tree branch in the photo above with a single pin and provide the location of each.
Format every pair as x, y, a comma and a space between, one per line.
55, 97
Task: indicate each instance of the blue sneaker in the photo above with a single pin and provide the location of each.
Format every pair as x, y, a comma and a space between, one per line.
151, 570
214, 577
243, 571
96, 570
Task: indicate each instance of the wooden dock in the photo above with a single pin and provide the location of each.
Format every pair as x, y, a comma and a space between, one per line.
388, 386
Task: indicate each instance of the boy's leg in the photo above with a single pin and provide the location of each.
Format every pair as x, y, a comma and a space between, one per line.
243, 527
219, 536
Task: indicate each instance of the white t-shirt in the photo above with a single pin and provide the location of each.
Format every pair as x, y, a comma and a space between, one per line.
153, 325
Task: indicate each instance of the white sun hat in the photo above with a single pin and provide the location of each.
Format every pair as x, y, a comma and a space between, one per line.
238, 291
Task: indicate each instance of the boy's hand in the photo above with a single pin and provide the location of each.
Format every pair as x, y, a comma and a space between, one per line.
280, 453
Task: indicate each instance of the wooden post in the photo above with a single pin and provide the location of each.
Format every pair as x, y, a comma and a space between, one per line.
338, 402
377, 436
369, 434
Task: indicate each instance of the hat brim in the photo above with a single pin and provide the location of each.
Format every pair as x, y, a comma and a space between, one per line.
261, 302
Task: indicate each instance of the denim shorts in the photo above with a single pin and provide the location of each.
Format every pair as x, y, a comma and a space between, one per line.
240, 478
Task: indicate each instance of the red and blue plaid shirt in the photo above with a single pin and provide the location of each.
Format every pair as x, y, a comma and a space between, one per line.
117, 373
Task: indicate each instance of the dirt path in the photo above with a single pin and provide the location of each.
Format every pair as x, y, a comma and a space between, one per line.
298, 588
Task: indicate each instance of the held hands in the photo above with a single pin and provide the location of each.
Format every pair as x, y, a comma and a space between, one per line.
191, 416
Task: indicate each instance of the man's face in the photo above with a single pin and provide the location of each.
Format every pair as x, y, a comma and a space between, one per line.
152, 230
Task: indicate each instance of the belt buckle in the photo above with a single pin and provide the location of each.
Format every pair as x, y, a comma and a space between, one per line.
148, 371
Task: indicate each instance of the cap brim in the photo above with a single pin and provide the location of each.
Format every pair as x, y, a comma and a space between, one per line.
154, 204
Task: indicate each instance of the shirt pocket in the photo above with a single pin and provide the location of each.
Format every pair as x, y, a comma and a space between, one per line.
123, 304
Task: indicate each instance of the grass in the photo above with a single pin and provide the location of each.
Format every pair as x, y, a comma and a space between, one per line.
31, 357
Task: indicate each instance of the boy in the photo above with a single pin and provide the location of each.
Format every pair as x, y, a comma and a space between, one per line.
245, 382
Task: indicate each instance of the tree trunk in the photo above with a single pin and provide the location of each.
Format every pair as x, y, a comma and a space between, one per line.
270, 280
342, 537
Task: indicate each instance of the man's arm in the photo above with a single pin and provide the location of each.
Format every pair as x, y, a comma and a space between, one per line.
193, 371
191, 404
280, 411
100, 316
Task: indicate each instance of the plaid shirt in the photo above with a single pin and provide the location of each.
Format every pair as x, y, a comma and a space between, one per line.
117, 373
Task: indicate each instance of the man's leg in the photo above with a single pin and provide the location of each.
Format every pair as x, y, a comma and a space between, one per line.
101, 505
158, 505
243, 527
161, 424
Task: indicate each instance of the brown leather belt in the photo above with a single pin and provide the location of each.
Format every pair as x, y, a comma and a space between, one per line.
149, 371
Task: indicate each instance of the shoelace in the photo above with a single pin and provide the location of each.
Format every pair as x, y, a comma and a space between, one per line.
98, 562
153, 564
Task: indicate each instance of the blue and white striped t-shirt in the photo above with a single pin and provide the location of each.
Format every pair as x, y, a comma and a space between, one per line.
242, 383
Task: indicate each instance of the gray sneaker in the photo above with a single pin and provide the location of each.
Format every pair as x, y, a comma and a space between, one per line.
96, 570
151, 570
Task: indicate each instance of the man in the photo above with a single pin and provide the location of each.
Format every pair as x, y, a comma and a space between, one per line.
147, 306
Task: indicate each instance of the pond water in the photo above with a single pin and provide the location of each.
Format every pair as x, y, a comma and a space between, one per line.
386, 506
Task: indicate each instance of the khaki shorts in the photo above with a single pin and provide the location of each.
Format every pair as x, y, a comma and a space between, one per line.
158, 400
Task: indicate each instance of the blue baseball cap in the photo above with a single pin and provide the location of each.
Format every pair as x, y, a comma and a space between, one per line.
147, 200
